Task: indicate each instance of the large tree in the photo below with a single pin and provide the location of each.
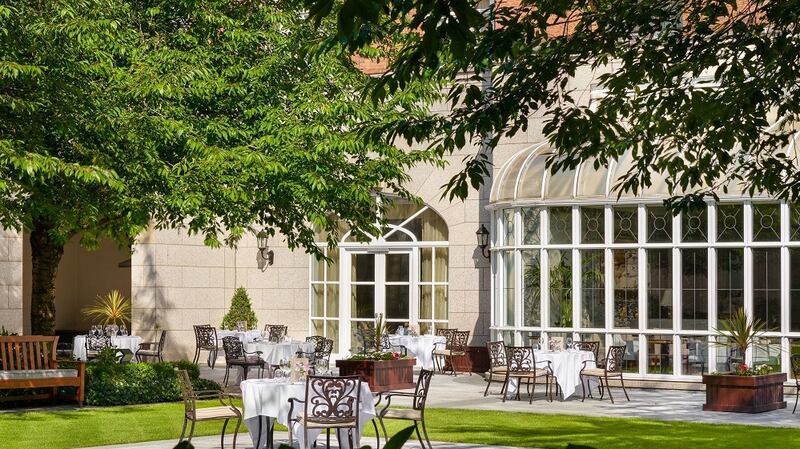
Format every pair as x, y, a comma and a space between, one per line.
704, 91
116, 115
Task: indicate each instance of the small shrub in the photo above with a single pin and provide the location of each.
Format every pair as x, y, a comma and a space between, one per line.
109, 383
241, 310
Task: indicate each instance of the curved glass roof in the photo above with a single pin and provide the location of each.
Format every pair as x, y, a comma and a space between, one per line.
525, 177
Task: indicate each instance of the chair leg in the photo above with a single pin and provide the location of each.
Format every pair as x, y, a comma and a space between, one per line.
622, 382
236, 430
196, 356
377, 434
385, 433
183, 431
488, 382
796, 398
608, 387
191, 432
425, 432
222, 437
505, 386
583, 387
419, 436
531, 392
227, 372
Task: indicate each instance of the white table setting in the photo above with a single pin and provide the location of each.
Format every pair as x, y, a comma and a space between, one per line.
266, 400
419, 346
244, 336
566, 367
130, 342
273, 353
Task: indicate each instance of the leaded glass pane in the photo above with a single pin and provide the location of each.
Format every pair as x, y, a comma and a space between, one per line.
694, 225
730, 282
694, 355
767, 351
560, 225
592, 225
630, 360
441, 265
425, 302
560, 271
318, 300
333, 267
508, 261
659, 354
531, 223
332, 300
592, 288
727, 355
426, 264
531, 284
659, 288
766, 222
730, 223
767, 286
659, 224
794, 349
626, 288
794, 222
694, 289
794, 290
508, 225
441, 303
625, 224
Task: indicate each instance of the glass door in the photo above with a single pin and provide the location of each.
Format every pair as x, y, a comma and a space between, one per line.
380, 282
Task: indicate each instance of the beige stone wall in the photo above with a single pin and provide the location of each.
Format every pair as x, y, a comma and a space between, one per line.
11, 280
177, 282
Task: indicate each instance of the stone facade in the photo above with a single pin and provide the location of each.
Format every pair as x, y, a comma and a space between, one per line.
11, 281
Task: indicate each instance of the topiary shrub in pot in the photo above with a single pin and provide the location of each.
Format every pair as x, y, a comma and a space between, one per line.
241, 310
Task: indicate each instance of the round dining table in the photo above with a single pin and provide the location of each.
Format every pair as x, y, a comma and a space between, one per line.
130, 342
566, 366
420, 346
265, 400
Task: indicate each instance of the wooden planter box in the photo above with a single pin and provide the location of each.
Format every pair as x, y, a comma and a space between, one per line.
381, 375
744, 394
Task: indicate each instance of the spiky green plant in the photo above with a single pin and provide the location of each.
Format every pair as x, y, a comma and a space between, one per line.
113, 308
740, 332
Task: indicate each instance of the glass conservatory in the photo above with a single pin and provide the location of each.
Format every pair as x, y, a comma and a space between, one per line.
571, 260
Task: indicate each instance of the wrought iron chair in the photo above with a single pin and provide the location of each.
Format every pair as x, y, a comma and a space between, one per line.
226, 411
154, 349
456, 346
593, 346
610, 367
795, 362
497, 365
417, 411
321, 351
330, 403
276, 332
235, 355
205, 337
521, 365
95, 343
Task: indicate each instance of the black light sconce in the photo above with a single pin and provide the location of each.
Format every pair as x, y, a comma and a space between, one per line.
482, 235
262, 241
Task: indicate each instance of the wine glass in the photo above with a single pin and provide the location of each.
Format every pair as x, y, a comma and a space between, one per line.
321, 367
569, 342
541, 343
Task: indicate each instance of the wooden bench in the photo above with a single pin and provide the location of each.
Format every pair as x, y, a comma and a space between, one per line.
29, 361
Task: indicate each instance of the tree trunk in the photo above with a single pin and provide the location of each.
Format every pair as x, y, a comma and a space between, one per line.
45, 256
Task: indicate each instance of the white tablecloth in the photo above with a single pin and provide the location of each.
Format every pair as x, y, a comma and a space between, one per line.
270, 398
128, 342
273, 353
566, 367
244, 337
420, 347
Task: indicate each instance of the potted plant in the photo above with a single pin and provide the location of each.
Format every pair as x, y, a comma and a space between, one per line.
745, 389
382, 370
241, 311
113, 308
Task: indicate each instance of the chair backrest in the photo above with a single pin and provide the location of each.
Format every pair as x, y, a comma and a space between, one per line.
614, 359
233, 347
333, 400
25, 352
441, 332
520, 359
322, 346
97, 342
162, 341
593, 346
421, 391
795, 362
187, 393
497, 353
205, 336
276, 332
457, 341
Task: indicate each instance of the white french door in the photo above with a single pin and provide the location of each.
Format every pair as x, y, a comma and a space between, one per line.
376, 281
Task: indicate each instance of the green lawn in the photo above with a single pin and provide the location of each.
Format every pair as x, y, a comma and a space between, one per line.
114, 425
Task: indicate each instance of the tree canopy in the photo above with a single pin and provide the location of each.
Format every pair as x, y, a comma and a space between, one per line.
210, 115
706, 92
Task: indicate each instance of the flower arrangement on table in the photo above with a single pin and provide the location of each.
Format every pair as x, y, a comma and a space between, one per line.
413, 330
